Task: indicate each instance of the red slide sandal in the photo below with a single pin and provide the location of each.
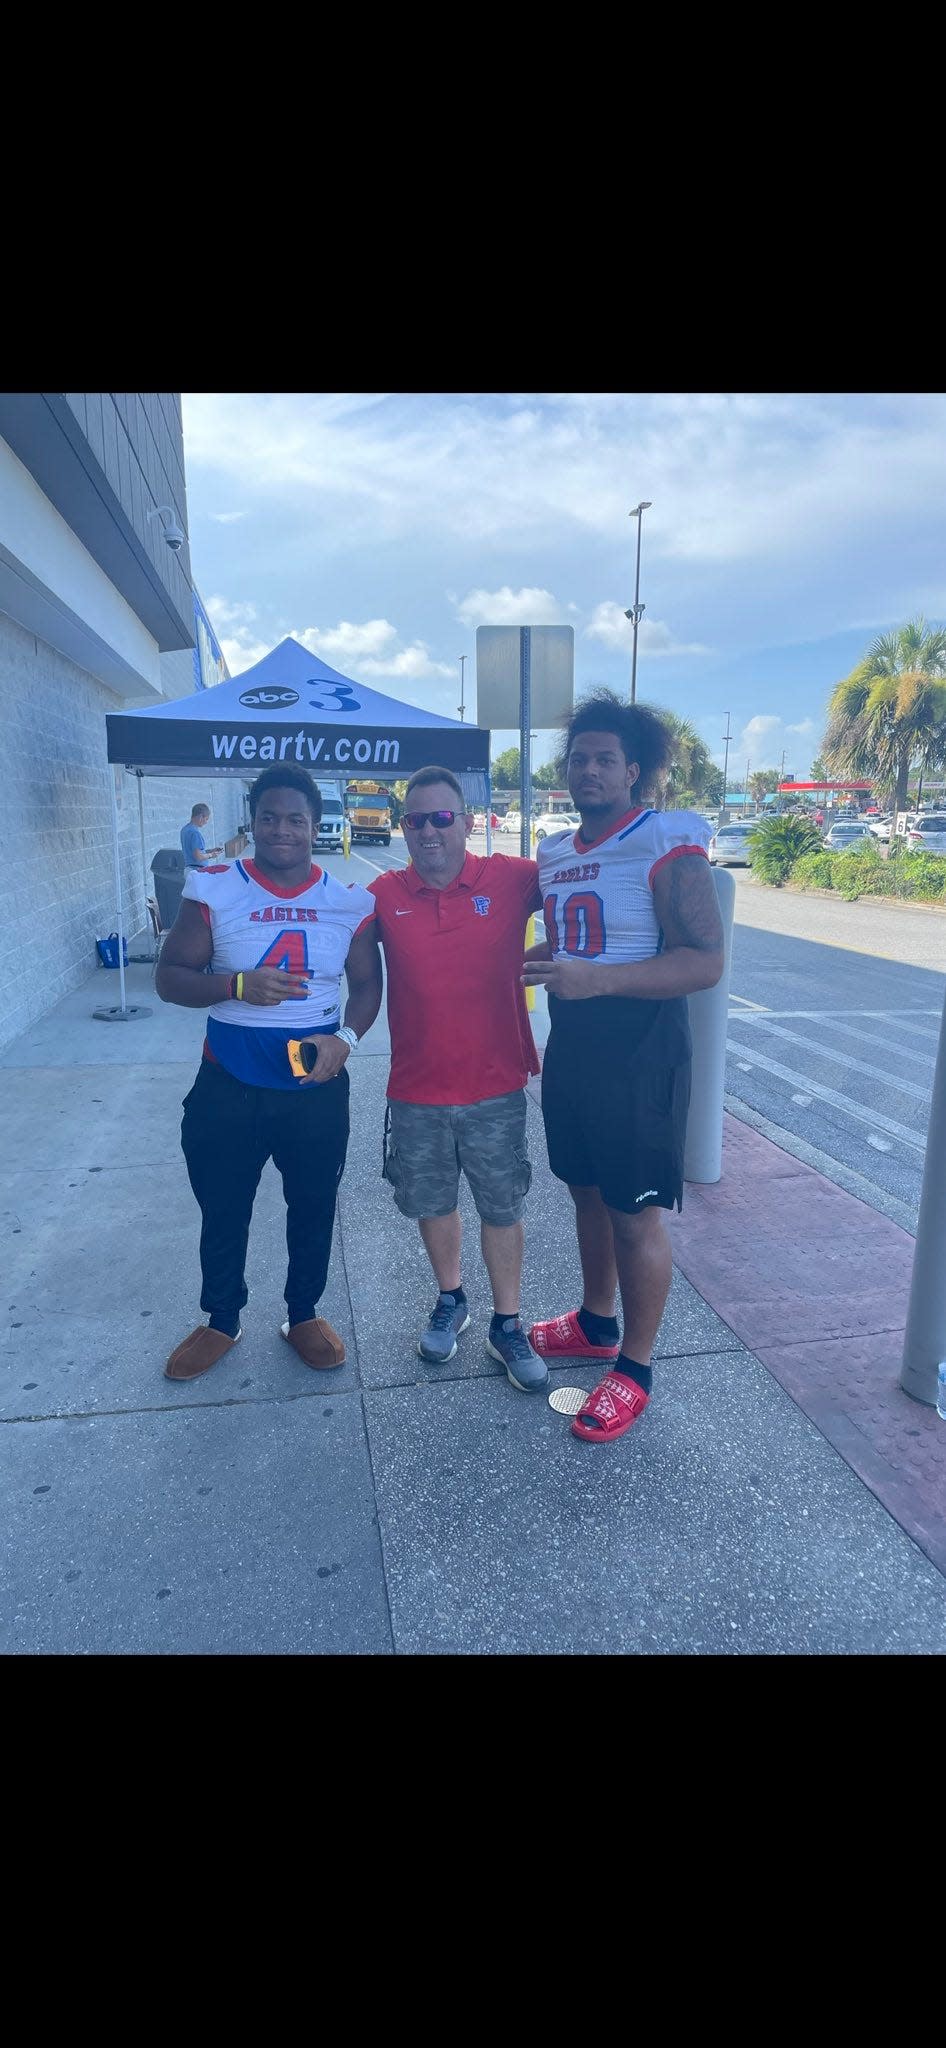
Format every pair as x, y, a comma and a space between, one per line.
563, 1337
613, 1406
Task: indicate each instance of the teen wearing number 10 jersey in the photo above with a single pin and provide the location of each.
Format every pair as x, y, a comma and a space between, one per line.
632, 927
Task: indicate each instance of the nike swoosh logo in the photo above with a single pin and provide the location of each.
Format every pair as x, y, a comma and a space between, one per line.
403, 913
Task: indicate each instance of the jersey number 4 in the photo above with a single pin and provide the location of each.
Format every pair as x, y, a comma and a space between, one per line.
582, 925
290, 952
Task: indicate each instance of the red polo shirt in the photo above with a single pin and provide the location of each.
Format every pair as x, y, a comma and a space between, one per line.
457, 1014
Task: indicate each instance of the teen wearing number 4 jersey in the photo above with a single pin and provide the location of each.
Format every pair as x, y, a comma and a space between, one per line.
275, 933
632, 928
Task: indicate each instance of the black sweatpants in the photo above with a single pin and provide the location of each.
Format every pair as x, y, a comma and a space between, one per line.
228, 1132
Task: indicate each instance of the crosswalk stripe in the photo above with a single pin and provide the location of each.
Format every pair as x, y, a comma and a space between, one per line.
857, 1110
842, 1059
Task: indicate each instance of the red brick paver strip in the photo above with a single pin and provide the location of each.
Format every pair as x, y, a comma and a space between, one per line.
816, 1283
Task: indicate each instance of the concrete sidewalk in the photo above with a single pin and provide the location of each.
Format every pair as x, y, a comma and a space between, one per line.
779, 1497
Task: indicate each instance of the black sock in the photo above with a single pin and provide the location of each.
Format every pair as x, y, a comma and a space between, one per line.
598, 1329
227, 1325
454, 1294
498, 1322
642, 1374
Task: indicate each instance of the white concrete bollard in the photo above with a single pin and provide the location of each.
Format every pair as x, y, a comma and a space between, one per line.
709, 1023
924, 1343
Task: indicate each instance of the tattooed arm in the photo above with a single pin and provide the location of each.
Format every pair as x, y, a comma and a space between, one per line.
692, 956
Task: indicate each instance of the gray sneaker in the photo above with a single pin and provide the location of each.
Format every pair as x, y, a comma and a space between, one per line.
511, 1346
439, 1341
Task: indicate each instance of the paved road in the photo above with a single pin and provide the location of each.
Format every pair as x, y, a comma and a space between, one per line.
834, 1024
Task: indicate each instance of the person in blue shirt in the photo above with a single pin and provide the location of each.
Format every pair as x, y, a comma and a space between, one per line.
196, 854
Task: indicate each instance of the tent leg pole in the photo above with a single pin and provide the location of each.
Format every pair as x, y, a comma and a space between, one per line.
144, 857
119, 1013
118, 889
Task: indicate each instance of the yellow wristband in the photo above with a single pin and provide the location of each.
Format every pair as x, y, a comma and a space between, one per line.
239, 988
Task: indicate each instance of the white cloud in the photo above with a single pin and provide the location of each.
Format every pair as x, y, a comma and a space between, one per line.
764, 741
241, 652
347, 642
414, 662
614, 629
511, 608
225, 613
228, 518
372, 650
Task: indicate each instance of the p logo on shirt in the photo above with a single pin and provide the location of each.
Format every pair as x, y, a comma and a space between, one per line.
481, 904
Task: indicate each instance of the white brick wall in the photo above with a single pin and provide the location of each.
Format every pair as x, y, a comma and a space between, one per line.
56, 828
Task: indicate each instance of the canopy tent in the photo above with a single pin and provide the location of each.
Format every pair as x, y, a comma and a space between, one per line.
290, 707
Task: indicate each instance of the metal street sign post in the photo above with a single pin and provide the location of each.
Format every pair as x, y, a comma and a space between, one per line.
525, 740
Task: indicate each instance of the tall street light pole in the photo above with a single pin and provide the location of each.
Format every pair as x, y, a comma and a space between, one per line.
724, 813
637, 608
460, 705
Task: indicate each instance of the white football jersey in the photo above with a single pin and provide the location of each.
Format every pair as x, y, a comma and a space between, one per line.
256, 923
599, 899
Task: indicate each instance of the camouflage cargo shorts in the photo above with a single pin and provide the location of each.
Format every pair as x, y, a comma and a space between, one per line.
428, 1146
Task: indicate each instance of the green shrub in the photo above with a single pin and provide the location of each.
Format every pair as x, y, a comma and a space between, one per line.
857, 870
922, 874
777, 843
814, 871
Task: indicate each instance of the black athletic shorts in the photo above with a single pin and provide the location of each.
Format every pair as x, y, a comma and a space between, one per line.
616, 1125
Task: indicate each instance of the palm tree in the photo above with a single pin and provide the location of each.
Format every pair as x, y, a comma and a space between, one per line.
692, 768
890, 712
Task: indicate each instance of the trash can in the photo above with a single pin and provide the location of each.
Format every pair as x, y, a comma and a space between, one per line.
167, 868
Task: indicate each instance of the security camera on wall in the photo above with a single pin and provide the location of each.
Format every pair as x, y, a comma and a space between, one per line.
173, 534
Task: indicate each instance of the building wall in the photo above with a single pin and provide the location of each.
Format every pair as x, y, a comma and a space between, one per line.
106, 461
59, 896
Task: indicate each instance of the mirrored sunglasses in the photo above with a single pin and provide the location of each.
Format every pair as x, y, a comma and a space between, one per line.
416, 820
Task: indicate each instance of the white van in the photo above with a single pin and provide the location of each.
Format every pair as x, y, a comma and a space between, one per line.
328, 833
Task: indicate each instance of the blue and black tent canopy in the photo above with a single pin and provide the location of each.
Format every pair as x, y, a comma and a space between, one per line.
292, 707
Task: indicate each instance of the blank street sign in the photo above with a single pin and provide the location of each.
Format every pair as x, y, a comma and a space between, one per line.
551, 676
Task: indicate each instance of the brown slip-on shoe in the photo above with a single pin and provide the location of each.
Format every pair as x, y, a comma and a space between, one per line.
202, 1349
317, 1343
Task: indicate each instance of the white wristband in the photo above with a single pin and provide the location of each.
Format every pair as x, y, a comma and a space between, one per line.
351, 1037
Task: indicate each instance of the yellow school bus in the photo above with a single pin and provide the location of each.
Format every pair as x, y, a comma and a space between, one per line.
368, 809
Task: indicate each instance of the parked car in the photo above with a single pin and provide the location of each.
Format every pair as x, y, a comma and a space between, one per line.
512, 822
479, 821
555, 821
730, 846
881, 828
847, 834
928, 833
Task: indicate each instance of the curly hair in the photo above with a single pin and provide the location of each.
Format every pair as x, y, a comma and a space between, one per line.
641, 733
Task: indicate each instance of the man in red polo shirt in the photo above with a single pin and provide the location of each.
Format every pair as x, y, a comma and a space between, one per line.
453, 928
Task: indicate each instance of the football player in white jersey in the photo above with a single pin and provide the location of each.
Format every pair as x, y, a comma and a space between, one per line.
632, 928
262, 944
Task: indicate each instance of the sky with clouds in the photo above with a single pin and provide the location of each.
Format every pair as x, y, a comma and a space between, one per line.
786, 530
